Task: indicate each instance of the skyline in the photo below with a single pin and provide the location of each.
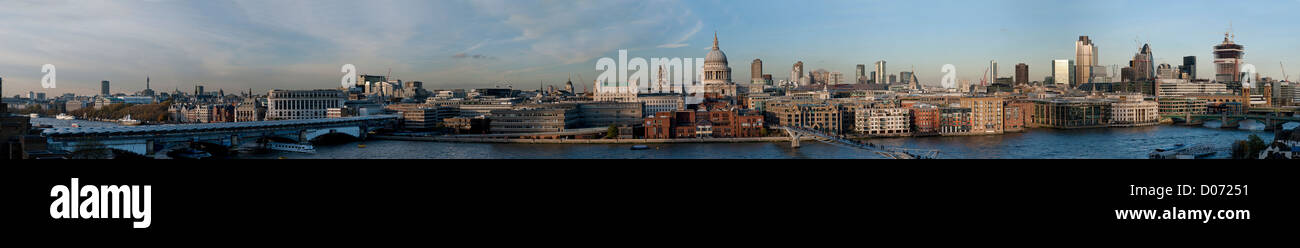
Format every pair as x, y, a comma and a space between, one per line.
238, 45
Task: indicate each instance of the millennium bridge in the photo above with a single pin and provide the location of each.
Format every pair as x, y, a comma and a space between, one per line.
796, 133
158, 139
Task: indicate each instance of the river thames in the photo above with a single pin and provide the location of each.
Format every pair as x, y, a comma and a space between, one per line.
1100, 143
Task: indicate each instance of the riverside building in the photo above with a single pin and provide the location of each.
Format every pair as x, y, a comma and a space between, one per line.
302, 104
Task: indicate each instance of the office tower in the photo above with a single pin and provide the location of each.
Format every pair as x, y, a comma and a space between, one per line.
861, 75
1085, 57
819, 76
872, 77
756, 72
993, 71
1189, 67
1126, 74
796, 72
1063, 72
1227, 60
1099, 74
906, 77
1143, 68
103, 88
198, 90
1022, 74
880, 72
893, 79
1166, 71
836, 78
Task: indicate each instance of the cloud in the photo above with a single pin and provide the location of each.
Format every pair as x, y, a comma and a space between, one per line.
699, 24
471, 56
300, 44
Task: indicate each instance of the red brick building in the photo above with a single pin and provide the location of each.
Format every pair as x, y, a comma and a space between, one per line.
749, 126
689, 124
1016, 116
925, 119
721, 122
659, 126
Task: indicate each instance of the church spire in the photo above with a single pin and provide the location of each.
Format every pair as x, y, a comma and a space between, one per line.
715, 40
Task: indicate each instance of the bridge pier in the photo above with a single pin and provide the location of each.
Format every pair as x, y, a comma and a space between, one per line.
364, 130
302, 136
794, 138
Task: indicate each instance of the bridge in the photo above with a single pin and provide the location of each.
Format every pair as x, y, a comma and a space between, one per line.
152, 139
1271, 121
884, 151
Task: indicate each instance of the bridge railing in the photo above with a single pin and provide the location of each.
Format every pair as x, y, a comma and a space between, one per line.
886, 151
205, 127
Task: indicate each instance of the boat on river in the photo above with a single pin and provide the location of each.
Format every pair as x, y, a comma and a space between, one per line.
128, 121
1180, 151
290, 147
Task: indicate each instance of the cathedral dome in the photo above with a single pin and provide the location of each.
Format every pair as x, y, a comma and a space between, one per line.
715, 55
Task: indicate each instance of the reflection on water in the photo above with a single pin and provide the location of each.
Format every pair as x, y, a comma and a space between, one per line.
1134, 142
1037, 143
57, 123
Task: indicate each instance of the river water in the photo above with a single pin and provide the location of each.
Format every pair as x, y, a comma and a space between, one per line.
1134, 143
57, 123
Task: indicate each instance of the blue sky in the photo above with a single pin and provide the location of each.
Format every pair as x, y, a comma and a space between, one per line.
236, 45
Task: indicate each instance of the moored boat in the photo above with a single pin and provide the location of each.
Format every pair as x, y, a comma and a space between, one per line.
128, 121
288, 147
1180, 151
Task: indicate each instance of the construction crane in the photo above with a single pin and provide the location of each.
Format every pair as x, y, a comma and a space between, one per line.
984, 79
1284, 76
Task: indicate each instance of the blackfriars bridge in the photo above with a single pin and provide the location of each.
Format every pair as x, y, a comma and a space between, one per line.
153, 139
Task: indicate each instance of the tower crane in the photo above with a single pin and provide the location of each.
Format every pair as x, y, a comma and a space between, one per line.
1284, 76
984, 78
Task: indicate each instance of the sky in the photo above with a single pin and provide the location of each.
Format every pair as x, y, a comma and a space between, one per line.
239, 45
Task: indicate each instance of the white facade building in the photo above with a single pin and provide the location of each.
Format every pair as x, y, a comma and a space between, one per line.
1182, 87
882, 121
1133, 111
302, 104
